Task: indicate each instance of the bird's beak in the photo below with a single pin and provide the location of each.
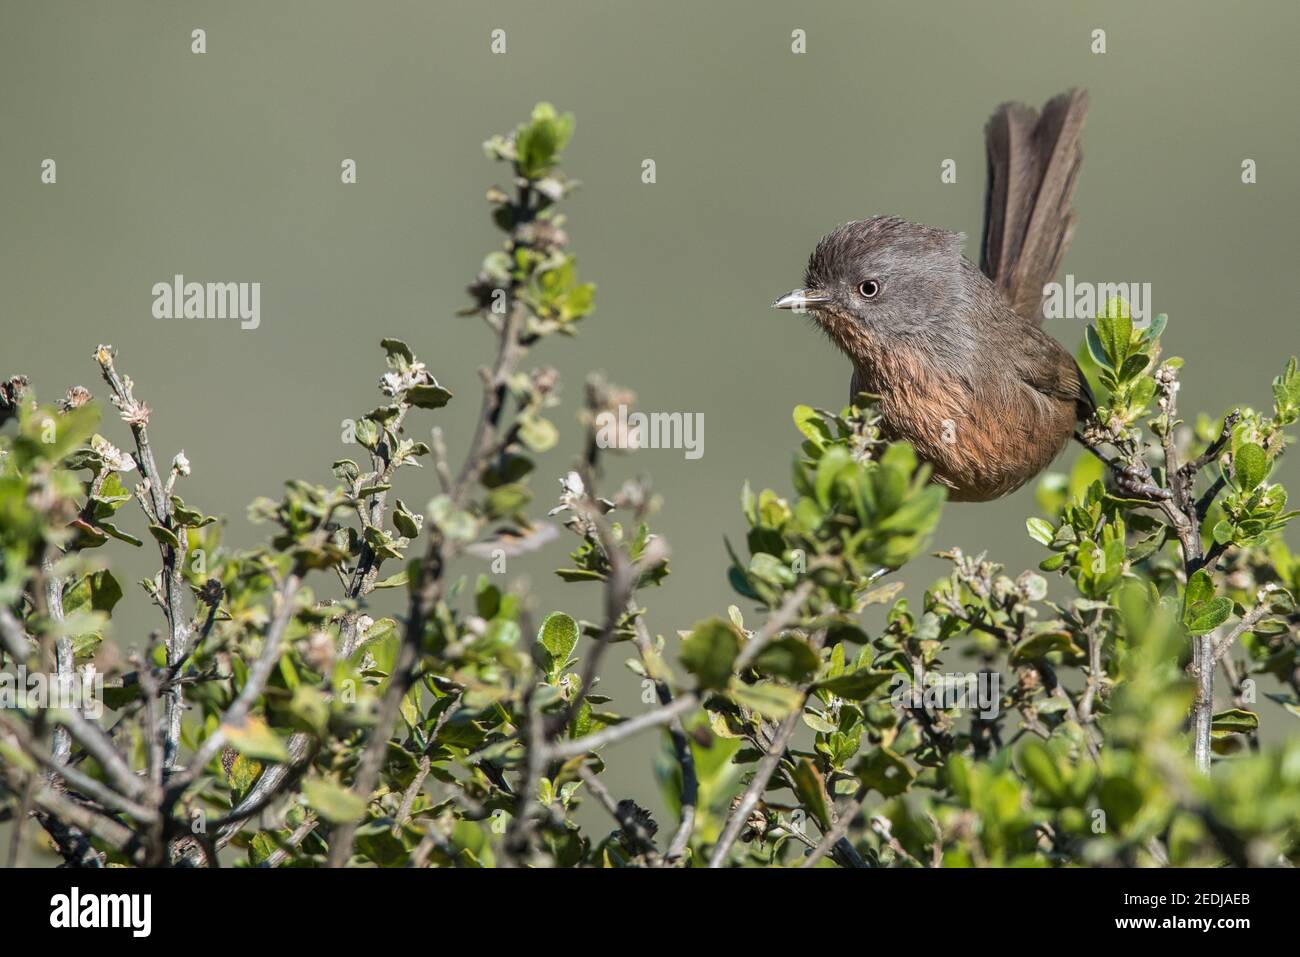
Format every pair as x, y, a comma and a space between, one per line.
801, 300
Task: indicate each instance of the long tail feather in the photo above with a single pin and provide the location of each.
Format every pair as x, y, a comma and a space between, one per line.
1033, 161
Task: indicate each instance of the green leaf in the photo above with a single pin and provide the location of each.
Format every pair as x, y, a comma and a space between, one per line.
407, 524
99, 590
188, 517
1115, 329
811, 791
1040, 645
1095, 347
788, 657
243, 772
428, 396
771, 700
539, 434
400, 355
1202, 612
884, 771
558, 636
1209, 616
120, 535
709, 653
1250, 466
1200, 588
1233, 721
810, 423
1040, 530
855, 685
1040, 767
165, 535
254, 739
333, 802
771, 569
367, 433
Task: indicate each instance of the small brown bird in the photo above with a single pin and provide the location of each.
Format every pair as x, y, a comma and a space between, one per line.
957, 355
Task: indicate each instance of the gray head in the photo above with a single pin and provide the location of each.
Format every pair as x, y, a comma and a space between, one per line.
889, 279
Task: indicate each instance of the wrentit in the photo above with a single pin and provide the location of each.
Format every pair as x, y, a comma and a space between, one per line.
957, 354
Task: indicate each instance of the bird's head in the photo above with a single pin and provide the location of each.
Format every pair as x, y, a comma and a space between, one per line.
883, 278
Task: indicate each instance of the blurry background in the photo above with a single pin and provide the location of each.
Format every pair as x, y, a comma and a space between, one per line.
225, 167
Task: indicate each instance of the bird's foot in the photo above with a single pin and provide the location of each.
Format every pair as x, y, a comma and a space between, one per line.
1131, 481
1134, 482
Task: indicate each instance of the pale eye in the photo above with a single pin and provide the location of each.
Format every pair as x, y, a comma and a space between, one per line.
868, 288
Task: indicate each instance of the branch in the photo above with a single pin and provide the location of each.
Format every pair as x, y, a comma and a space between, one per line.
426, 589
837, 832
775, 624
258, 675
763, 774
158, 508
1252, 618
563, 750
636, 832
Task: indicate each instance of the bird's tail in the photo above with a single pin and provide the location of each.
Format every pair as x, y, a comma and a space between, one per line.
1033, 161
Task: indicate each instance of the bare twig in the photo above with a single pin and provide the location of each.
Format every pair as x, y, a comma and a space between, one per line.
258, 674
843, 820
762, 774
158, 507
563, 750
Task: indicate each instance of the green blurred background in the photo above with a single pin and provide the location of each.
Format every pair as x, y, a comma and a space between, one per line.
225, 166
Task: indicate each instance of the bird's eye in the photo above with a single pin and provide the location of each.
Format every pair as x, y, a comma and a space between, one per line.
868, 288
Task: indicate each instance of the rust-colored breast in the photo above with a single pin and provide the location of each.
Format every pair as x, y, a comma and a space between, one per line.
983, 440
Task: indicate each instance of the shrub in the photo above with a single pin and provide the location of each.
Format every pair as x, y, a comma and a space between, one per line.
272, 715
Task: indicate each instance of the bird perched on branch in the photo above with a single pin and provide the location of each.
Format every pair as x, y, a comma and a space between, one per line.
956, 353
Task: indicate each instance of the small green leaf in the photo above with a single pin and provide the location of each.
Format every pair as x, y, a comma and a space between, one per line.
99, 590
884, 771
1115, 329
254, 739
1209, 616
772, 701
811, 791
811, 424
855, 685
428, 396
165, 535
333, 802
710, 651
558, 636
539, 434
788, 657
1233, 721
1249, 466
399, 354
1040, 530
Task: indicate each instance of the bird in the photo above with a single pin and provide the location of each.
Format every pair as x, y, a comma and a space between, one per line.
956, 354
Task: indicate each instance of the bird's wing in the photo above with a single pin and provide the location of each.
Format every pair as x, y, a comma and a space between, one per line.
1046, 367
